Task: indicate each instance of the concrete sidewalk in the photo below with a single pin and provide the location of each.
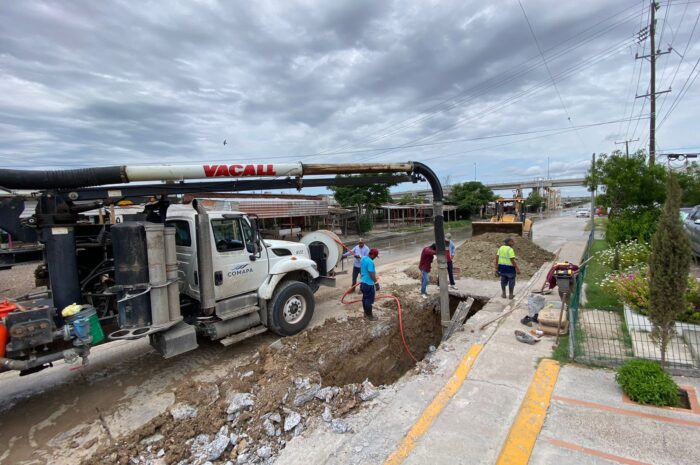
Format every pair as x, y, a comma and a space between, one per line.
468, 427
589, 423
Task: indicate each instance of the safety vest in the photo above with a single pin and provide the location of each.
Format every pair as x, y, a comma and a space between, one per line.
505, 254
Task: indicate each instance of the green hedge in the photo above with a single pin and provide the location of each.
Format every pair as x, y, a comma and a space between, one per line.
645, 382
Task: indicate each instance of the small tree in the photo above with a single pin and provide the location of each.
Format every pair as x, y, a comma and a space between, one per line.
669, 265
470, 197
365, 198
534, 200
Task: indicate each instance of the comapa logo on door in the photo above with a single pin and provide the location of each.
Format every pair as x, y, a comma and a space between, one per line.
237, 270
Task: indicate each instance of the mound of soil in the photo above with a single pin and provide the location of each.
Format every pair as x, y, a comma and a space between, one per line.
477, 256
319, 373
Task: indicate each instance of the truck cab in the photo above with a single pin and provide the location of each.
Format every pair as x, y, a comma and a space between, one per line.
248, 271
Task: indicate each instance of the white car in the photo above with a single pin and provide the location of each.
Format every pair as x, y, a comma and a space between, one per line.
583, 213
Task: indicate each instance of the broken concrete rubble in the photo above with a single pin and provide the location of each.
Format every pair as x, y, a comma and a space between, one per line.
291, 420
182, 411
307, 395
239, 401
368, 392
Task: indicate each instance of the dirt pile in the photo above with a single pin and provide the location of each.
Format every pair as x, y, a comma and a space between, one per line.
315, 377
476, 257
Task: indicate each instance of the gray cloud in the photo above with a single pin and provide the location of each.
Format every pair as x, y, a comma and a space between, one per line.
84, 83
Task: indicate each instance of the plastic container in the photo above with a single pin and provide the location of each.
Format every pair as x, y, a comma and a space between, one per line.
85, 323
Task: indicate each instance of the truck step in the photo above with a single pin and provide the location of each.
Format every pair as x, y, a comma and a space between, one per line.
227, 341
235, 313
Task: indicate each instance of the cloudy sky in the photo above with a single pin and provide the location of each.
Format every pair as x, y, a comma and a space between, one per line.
450, 83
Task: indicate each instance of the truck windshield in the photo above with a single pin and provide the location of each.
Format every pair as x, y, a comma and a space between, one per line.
227, 234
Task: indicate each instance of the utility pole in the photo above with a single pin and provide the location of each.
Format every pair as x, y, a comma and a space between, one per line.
653, 53
627, 146
474, 172
593, 191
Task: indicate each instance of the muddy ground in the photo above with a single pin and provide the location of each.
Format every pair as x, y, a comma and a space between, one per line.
318, 376
475, 258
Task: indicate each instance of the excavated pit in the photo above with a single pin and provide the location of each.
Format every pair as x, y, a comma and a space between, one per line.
383, 359
340, 355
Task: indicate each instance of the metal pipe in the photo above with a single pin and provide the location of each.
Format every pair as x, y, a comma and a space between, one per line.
59, 245
12, 364
438, 221
155, 250
171, 273
356, 168
205, 263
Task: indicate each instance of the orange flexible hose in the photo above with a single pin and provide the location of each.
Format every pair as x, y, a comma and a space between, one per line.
379, 297
398, 307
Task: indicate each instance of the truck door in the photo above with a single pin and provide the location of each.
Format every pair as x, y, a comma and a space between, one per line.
186, 256
235, 273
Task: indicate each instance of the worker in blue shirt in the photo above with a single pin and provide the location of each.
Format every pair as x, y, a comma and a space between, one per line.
452, 250
368, 282
359, 251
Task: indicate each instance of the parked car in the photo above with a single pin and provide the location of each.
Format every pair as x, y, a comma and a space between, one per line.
691, 224
583, 213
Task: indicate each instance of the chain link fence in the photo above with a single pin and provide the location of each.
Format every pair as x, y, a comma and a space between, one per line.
610, 337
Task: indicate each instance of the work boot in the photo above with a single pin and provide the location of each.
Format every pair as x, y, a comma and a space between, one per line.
503, 295
371, 317
526, 321
511, 296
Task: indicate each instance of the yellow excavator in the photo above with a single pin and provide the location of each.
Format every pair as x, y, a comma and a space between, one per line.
509, 218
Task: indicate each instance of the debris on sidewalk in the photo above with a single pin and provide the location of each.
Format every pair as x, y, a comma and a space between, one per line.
526, 338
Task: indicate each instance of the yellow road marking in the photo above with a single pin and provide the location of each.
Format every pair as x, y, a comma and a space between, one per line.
528, 423
431, 412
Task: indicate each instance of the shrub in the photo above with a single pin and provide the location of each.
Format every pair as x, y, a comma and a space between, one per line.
646, 383
632, 224
632, 288
364, 224
630, 255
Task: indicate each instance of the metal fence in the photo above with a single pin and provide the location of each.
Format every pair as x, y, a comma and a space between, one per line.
605, 337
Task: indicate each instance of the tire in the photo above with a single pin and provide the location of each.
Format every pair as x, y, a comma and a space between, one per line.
291, 308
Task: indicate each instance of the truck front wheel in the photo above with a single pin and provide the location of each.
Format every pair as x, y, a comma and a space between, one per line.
291, 308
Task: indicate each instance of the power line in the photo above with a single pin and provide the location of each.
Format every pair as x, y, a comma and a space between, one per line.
535, 88
518, 71
549, 72
683, 55
684, 90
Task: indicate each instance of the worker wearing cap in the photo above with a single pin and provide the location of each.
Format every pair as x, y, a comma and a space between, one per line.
507, 267
359, 251
368, 282
451, 250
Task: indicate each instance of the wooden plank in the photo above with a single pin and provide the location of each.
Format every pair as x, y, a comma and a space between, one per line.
458, 318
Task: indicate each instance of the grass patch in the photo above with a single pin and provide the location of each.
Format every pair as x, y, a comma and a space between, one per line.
600, 223
561, 353
596, 271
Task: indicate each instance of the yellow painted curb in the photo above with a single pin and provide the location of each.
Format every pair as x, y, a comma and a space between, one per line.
421, 426
528, 423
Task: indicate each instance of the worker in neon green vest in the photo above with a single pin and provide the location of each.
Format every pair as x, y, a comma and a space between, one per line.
507, 267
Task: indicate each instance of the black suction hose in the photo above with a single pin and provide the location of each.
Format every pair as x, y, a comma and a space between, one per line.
62, 179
